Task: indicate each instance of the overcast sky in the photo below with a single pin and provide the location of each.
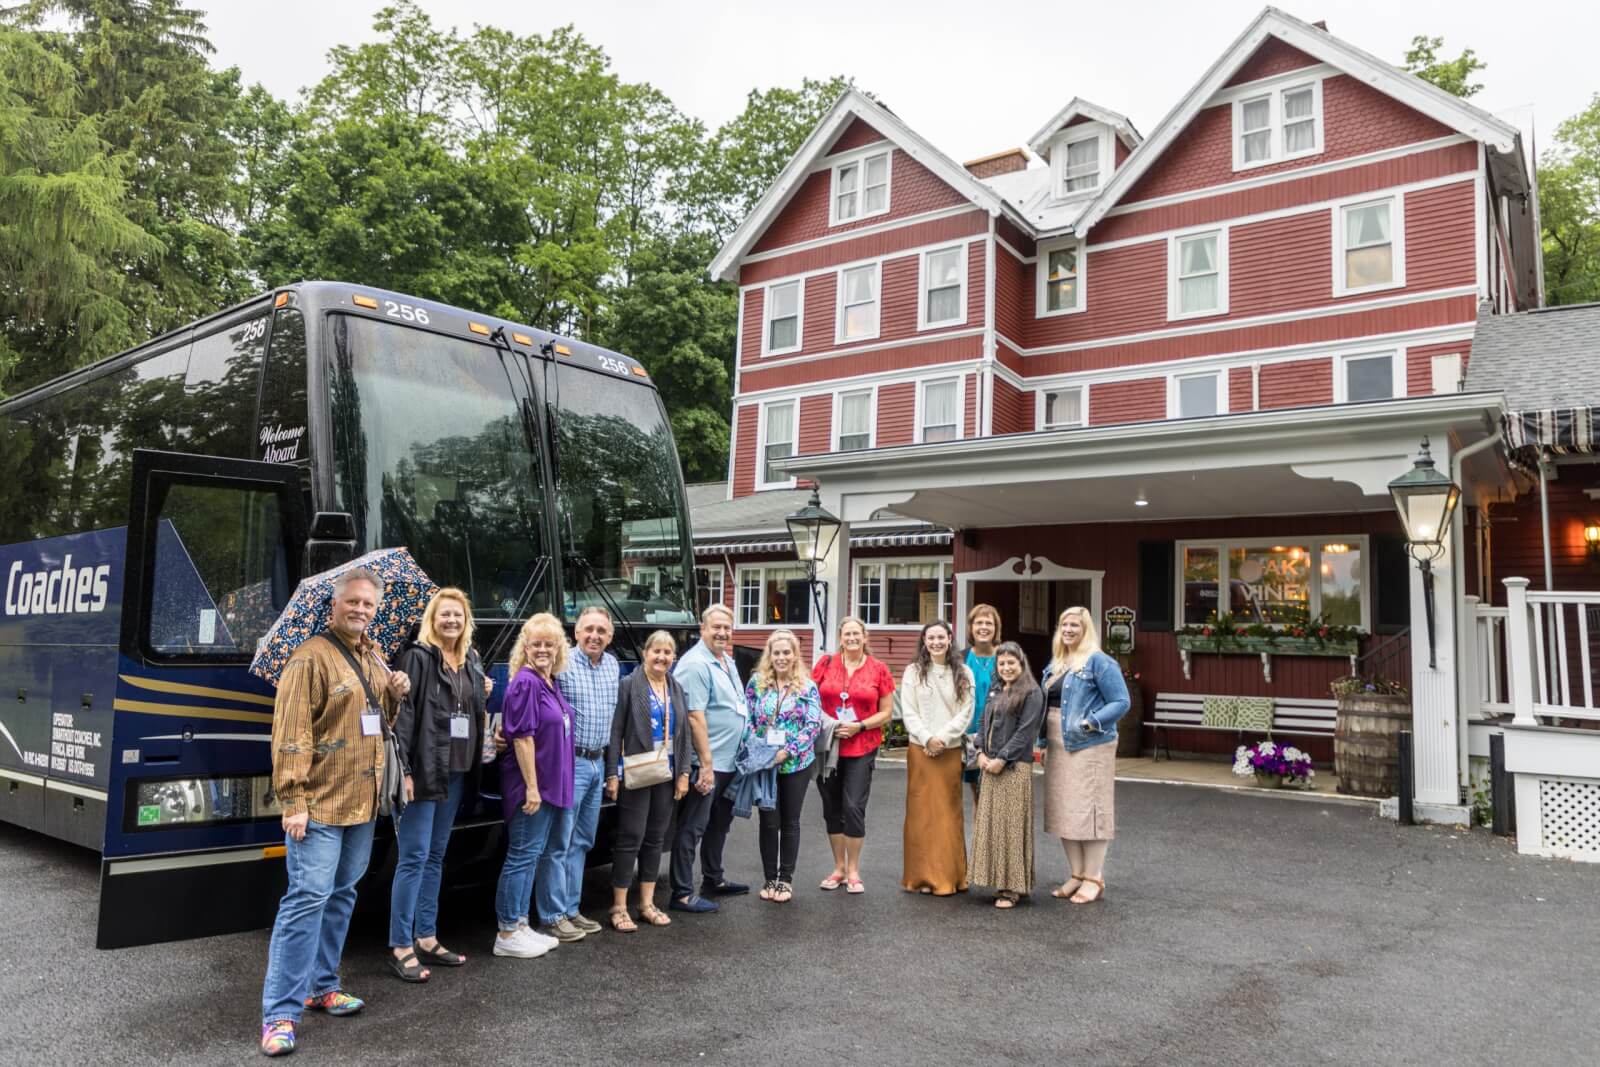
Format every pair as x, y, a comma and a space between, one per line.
972, 77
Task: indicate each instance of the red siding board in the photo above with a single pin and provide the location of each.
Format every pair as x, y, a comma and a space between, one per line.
1009, 232
744, 450
856, 135
816, 423
970, 418
888, 242
933, 351
1297, 384
1013, 408
913, 189
1440, 238
1140, 400
1273, 57
1126, 290
1240, 395
1281, 263
896, 411
1419, 364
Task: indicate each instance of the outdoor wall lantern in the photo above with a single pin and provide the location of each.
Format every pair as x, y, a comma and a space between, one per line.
1591, 538
1426, 501
814, 529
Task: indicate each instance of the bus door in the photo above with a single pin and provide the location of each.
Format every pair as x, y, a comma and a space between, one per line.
193, 844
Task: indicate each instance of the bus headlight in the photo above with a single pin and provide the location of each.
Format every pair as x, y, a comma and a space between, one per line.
168, 802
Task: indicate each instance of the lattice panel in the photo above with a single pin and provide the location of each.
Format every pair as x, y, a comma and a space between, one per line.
1569, 814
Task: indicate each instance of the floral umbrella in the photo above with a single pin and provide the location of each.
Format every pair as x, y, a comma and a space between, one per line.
406, 592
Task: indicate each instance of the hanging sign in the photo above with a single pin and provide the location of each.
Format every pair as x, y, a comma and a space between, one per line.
1119, 629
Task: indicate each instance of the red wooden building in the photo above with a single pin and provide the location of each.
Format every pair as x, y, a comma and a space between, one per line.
1171, 372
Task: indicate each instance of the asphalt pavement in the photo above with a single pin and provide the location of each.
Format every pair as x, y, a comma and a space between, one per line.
1236, 929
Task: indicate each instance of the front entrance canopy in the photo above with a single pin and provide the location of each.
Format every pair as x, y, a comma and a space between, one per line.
1322, 460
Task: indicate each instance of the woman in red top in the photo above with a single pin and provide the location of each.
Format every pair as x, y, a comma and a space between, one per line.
857, 693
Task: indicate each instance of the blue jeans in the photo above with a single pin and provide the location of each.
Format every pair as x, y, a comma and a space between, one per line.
525, 840
314, 916
421, 837
560, 883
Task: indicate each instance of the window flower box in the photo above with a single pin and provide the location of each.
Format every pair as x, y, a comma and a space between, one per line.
1225, 636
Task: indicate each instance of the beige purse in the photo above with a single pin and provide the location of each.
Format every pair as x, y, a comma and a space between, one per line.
645, 769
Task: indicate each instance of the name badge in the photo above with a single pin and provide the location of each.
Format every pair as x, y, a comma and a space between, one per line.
775, 736
460, 728
369, 724
846, 713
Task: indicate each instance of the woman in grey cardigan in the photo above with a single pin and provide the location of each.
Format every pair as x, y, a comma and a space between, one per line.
651, 709
1002, 835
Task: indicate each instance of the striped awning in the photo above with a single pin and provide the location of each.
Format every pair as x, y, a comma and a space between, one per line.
901, 537
1562, 431
896, 537
745, 546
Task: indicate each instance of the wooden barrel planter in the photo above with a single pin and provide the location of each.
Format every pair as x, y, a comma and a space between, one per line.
1366, 743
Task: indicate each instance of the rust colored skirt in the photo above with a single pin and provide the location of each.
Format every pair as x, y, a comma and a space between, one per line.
1002, 830
935, 839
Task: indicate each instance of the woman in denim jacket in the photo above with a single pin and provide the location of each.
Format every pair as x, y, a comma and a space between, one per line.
1085, 695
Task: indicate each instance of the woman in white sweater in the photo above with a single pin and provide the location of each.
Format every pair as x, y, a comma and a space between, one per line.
936, 705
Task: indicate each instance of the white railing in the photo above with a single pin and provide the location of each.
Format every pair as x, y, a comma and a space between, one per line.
1553, 648
1492, 690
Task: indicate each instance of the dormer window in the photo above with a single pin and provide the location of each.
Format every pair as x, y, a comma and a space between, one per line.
1276, 125
1083, 165
1080, 159
860, 188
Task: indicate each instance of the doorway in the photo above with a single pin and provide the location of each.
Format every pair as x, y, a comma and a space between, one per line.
1030, 592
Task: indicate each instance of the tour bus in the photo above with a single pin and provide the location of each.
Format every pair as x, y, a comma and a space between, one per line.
158, 508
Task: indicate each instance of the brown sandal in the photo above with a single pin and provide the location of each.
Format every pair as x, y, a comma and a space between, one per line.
1100, 893
1061, 892
1006, 901
654, 915
622, 922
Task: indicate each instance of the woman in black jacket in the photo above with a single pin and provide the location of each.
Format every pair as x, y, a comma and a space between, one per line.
440, 730
1002, 835
651, 709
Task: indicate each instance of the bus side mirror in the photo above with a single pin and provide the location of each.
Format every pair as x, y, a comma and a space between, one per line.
332, 541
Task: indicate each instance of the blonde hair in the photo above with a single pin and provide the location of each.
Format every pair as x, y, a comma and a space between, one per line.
766, 676
425, 630
659, 637
549, 627
1062, 659
989, 610
866, 635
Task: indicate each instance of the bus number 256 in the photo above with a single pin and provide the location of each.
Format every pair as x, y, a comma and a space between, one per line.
405, 311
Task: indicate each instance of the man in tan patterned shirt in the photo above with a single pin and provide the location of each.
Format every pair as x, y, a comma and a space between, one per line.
327, 763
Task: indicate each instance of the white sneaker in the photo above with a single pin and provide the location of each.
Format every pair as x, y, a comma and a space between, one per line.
520, 945
535, 937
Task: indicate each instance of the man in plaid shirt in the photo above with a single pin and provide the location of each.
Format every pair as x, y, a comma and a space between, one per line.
590, 685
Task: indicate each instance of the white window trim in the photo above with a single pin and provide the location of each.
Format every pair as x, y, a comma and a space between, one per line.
1397, 369
1173, 399
799, 318
1173, 312
838, 317
1274, 95
922, 288
761, 444
872, 416
1313, 542
960, 381
715, 573
947, 582
1083, 131
860, 158
1397, 236
761, 596
1041, 269
1083, 407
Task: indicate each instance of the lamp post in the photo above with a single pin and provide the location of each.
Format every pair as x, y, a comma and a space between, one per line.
814, 529
1426, 501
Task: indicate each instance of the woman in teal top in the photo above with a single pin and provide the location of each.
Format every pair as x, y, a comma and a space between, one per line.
983, 631
785, 711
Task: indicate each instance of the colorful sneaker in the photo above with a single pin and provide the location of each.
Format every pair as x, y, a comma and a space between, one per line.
277, 1039
336, 1003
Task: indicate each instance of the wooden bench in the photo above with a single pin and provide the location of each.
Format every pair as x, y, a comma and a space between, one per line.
1303, 716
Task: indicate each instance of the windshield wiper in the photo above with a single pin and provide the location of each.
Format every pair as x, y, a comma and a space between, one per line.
540, 567
582, 566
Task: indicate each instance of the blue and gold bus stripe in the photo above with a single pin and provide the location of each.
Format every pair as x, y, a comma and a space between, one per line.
184, 689
191, 711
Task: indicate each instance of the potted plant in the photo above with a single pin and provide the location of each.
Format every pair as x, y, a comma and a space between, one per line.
1372, 710
1132, 724
1273, 764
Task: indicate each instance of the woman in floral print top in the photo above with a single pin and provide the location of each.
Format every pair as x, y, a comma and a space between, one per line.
785, 709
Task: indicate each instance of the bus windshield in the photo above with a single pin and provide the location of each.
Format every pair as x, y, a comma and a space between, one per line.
621, 513
430, 452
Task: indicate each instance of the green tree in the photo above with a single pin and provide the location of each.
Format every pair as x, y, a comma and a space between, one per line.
1451, 75
1569, 209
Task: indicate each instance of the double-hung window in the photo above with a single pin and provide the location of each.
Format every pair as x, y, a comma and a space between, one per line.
1369, 250
1276, 582
783, 318
777, 442
1198, 269
1061, 278
1367, 377
774, 595
854, 421
707, 587
1276, 125
858, 303
1060, 408
941, 411
1081, 172
860, 188
944, 288
1193, 396
903, 593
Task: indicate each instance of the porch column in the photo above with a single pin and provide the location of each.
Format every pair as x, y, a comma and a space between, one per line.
1435, 710
834, 574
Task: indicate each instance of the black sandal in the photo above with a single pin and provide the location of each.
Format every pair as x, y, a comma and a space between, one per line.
441, 955
407, 969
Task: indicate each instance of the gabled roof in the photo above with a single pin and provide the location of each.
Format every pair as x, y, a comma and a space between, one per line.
851, 105
1499, 136
1079, 107
1549, 358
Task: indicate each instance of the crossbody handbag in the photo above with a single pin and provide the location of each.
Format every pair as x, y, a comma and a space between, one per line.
392, 785
645, 769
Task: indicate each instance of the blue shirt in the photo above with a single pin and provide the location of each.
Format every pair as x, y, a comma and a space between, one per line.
982, 668
712, 686
591, 689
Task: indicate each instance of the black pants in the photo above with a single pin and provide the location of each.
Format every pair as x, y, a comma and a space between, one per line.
844, 795
780, 828
703, 822
642, 818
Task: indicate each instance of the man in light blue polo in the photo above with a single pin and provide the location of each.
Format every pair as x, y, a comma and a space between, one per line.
717, 712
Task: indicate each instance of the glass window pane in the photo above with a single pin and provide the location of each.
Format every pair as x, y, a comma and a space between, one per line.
1255, 114
848, 176
860, 285
750, 597
780, 423
1371, 378
1366, 225
911, 593
787, 596
942, 268
939, 404
1300, 136
855, 413
783, 334
1257, 146
1061, 279
1197, 396
861, 321
1061, 295
1341, 584
1369, 266
869, 594
1199, 585
877, 198
1197, 255
1297, 104
847, 206
877, 170
944, 305
785, 300
1198, 294
1270, 584
1063, 407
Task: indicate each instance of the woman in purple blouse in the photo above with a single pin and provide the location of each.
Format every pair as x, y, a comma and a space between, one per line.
535, 776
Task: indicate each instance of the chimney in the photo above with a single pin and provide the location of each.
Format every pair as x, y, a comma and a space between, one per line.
1320, 24
1007, 162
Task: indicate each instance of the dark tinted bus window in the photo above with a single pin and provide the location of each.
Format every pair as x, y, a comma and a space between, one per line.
220, 390
281, 432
